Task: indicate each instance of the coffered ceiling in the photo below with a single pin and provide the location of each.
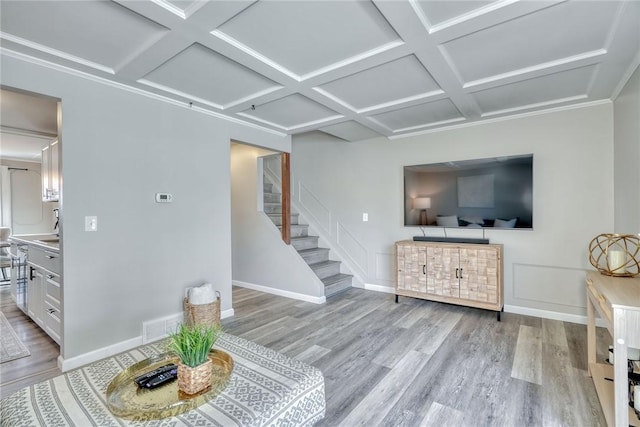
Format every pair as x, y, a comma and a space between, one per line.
353, 69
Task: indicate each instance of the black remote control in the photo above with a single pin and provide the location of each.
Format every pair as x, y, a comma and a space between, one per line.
162, 379
143, 379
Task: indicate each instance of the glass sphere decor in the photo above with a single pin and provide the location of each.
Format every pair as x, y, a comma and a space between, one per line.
616, 255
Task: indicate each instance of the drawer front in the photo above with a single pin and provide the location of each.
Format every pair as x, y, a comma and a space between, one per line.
52, 287
52, 322
45, 259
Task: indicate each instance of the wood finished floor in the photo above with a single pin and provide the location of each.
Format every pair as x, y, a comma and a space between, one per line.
416, 363
420, 363
41, 365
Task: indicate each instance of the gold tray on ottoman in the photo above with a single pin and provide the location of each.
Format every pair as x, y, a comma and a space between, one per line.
125, 399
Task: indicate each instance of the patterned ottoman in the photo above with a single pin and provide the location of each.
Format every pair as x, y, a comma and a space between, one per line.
266, 388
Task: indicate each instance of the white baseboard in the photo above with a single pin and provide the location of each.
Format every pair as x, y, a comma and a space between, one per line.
280, 292
86, 358
553, 315
380, 288
526, 311
92, 356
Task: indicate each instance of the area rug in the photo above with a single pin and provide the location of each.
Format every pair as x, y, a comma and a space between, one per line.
11, 347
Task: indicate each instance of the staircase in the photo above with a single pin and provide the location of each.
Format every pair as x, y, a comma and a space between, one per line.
307, 246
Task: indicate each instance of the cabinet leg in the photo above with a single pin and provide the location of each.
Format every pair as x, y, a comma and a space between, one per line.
396, 298
499, 314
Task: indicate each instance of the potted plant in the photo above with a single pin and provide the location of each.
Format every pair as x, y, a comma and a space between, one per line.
192, 345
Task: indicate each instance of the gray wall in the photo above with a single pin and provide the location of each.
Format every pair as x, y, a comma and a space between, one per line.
260, 257
627, 157
118, 149
544, 268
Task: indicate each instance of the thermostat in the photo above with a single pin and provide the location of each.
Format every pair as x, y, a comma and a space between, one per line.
164, 197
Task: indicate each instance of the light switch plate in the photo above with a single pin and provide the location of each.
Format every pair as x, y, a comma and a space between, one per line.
90, 223
365, 217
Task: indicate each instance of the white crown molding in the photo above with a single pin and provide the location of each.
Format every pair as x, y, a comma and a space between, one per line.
503, 118
246, 49
131, 89
440, 123
300, 78
575, 61
253, 97
432, 29
384, 105
179, 93
627, 75
299, 126
536, 105
55, 52
171, 8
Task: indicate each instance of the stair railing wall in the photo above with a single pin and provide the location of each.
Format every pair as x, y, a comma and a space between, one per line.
319, 217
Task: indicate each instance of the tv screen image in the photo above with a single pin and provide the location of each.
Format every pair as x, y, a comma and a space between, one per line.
480, 193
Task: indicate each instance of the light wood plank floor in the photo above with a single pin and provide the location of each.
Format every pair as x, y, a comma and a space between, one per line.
420, 363
416, 363
41, 365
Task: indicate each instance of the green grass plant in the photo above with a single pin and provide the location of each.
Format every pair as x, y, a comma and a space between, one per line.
192, 343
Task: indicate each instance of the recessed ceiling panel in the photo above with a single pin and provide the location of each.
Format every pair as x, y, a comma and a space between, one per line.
350, 131
305, 36
98, 31
387, 83
551, 34
290, 112
439, 11
206, 75
551, 89
419, 115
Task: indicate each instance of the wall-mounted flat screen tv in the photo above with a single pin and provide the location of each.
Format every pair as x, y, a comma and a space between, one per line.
494, 192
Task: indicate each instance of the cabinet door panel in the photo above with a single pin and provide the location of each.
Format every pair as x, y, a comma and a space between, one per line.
479, 274
442, 271
411, 268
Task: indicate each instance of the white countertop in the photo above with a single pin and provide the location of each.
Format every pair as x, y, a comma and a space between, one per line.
37, 240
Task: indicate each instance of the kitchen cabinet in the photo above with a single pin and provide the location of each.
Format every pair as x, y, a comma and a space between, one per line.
456, 273
50, 172
35, 295
43, 291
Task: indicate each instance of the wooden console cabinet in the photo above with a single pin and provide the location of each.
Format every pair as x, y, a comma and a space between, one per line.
456, 273
617, 301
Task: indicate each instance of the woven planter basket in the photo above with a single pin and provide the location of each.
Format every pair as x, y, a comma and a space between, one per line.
192, 380
202, 314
